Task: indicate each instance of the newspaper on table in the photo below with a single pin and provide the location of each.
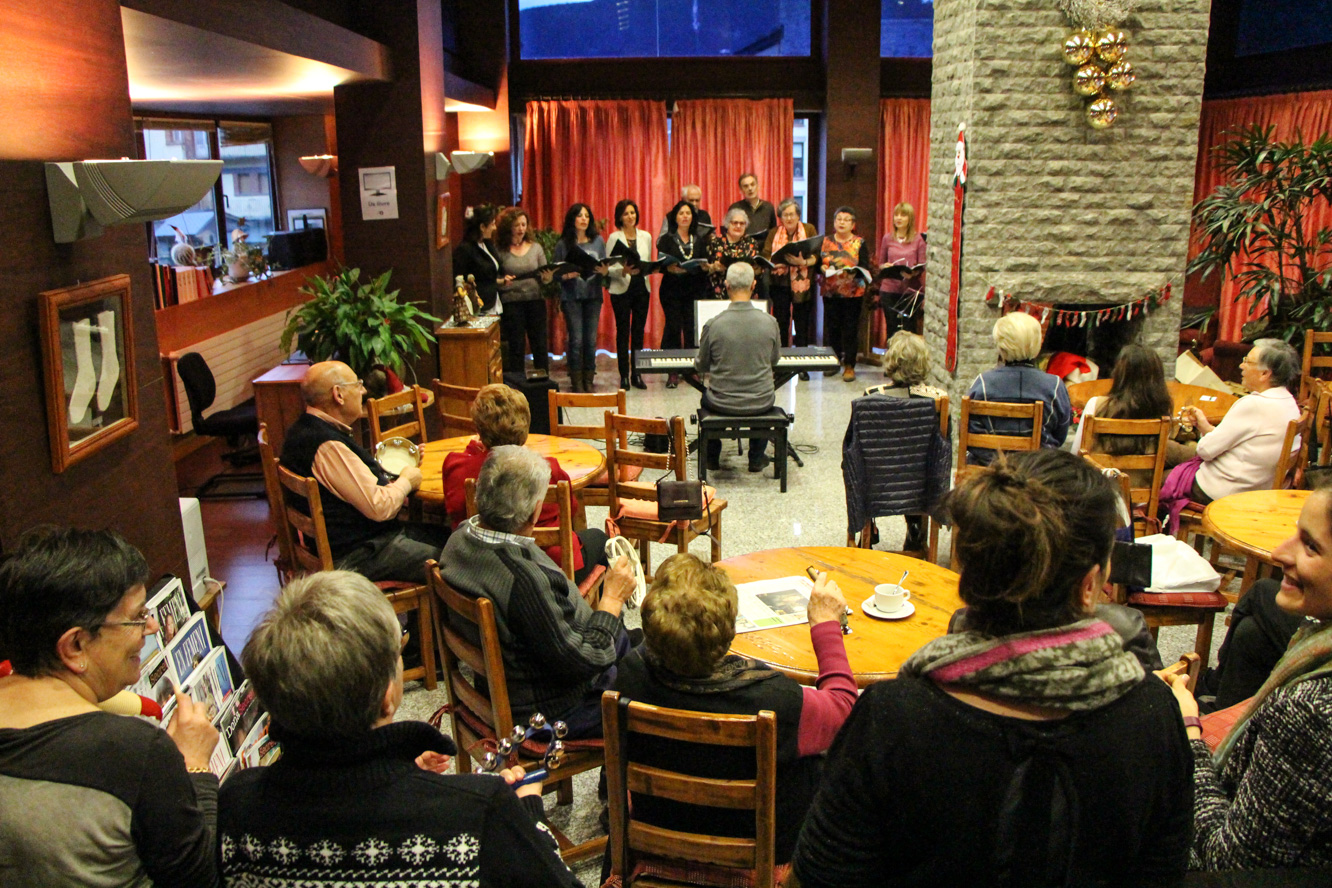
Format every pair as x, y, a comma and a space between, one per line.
769, 604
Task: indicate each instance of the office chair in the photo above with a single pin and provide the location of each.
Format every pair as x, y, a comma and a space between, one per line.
233, 424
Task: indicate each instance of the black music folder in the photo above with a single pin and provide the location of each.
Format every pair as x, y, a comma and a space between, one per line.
810, 246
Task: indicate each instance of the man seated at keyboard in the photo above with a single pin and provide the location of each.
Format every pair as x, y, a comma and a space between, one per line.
739, 348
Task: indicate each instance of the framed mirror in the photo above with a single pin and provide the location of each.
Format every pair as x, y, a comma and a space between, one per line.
88, 353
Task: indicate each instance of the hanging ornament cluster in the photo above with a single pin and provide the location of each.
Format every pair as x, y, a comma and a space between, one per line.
1047, 314
1096, 52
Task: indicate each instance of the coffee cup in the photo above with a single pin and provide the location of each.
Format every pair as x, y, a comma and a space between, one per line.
889, 598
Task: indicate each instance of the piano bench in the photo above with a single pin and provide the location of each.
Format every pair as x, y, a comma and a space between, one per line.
719, 427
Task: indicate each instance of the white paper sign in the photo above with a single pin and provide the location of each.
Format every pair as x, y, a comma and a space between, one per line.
379, 193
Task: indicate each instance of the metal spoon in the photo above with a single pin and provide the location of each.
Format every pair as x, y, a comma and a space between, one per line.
903, 580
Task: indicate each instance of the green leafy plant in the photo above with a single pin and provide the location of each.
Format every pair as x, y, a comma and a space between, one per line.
245, 255
1253, 229
361, 323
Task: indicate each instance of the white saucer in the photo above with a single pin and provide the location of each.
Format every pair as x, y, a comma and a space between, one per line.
906, 610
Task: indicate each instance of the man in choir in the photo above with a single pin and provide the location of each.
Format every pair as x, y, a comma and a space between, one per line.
762, 215
692, 195
360, 499
739, 348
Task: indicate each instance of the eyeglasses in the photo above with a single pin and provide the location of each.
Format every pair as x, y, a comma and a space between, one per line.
144, 619
402, 644
359, 382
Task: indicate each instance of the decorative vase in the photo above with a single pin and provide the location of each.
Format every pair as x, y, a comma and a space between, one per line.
238, 271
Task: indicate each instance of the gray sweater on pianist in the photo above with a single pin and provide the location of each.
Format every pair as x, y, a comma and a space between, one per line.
739, 348
555, 646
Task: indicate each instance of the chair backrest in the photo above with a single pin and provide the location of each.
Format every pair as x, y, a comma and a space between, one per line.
1033, 411
310, 550
1322, 363
1320, 431
1094, 427
486, 696
1291, 464
612, 401
618, 427
630, 838
200, 386
560, 535
454, 403
276, 504
389, 406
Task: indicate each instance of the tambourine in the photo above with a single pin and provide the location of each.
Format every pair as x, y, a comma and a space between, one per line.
493, 762
396, 455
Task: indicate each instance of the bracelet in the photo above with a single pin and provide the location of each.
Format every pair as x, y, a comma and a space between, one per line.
1192, 721
204, 770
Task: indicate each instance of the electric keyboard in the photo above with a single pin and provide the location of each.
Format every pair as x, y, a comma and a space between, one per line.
792, 360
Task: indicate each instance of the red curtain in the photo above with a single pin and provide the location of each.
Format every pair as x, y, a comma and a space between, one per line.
596, 152
904, 171
1309, 114
714, 141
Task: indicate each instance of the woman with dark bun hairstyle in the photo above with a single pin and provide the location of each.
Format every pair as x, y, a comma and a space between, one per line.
1028, 749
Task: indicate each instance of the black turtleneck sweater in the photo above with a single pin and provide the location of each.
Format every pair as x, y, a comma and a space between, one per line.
362, 813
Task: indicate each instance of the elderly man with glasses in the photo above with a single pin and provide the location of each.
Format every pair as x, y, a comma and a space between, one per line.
360, 499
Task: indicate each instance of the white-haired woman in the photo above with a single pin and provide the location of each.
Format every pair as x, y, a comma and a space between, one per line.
727, 246
1017, 380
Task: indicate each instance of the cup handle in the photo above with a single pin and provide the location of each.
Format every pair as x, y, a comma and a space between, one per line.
906, 595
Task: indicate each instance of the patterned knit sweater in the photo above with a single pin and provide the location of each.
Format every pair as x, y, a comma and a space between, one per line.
1271, 805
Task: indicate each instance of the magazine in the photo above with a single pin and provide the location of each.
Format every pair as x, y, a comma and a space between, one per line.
168, 604
155, 682
188, 648
767, 604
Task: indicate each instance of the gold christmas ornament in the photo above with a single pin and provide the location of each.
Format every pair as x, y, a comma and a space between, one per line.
1088, 80
1102, 112
1120, 76
1111, 46
1079, 48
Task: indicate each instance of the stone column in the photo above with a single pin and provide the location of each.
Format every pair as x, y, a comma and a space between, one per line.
1057, 211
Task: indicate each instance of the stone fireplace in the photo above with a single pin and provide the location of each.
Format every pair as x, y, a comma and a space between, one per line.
1058, 212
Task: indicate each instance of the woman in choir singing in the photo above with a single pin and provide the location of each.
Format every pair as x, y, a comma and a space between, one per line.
680, 288
581, 296
843, 289
727, 246
630, 297
476, 256
904, 245
524, 317
791, 286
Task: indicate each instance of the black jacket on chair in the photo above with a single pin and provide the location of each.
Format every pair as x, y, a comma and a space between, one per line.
894, 461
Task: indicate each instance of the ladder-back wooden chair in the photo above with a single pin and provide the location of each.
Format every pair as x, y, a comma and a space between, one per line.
1321, 363
633, 504
648, 855
276, 507
1032, 412
454, 403
466, 631
561, 534
409, 401
309, 551
1139, 468
595, 493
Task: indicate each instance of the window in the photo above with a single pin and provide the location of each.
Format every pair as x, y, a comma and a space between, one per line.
573, 29
800, 151
907, 29
245, 186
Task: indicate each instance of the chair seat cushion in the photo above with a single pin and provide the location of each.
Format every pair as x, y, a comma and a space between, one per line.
591, 579
627, 473
1210, 600
647, 509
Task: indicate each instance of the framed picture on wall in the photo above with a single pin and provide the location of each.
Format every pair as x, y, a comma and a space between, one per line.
88, 354
298, 220
441, 220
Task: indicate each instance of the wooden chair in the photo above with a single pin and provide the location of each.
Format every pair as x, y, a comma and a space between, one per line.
595, 493
1033, 411
633, 504
410, 400
1321, 363
1320, 431
1289, 474
305, 537
928, 524
561, 535
1188, 664
1142, 500
641, 850
276, 507
454, 403
480, 703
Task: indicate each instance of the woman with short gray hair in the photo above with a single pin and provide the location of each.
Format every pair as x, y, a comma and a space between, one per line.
354, 787
728, 246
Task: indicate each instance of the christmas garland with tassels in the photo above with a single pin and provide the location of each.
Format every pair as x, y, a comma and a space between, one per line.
1046, 312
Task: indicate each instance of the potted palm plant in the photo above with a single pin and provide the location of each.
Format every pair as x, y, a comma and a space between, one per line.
362, 323
1254, 228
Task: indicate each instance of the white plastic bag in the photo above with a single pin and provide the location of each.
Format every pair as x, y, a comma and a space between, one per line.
1177, 567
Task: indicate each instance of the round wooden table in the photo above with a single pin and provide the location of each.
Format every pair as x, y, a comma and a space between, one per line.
1254, 524
1212, 403
580, 459
876, 648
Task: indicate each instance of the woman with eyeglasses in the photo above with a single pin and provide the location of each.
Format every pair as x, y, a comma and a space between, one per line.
728, 246
87, 797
